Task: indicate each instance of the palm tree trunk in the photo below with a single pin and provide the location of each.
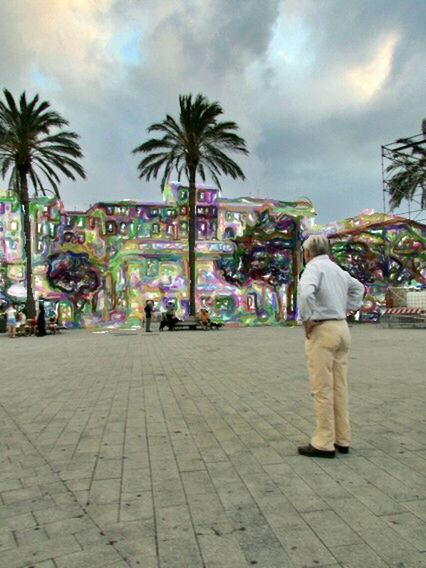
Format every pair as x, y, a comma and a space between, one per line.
30, 307
192, 240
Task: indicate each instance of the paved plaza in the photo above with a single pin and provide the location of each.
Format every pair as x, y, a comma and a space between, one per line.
178, 450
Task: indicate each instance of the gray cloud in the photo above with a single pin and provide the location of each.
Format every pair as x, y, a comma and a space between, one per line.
316, 87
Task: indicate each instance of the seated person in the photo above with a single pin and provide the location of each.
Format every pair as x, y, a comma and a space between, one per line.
52, 324
204, 318
168, 318
21, 321
163, 323
171, 318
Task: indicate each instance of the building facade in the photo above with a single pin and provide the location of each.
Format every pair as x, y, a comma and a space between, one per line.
98, 267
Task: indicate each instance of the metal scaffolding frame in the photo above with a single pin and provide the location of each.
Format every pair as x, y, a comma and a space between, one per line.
398, 153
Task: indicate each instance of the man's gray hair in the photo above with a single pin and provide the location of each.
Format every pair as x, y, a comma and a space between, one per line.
316, 245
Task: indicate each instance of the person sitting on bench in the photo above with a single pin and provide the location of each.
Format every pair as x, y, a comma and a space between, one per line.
21, 323
169, 319
164, 323
204, 319
52, 324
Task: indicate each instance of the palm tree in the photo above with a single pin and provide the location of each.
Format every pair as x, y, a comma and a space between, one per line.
408, 172
195, 144
29, 150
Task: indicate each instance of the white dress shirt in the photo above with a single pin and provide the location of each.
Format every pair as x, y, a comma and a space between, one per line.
327, 292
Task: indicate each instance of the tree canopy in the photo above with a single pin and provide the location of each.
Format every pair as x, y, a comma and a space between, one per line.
408, 171
29, 147
197, 141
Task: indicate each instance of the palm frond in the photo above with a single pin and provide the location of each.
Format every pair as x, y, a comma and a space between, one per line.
29, 144
197, 141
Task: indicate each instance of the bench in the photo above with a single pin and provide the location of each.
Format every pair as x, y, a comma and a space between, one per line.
30, 328
191, 323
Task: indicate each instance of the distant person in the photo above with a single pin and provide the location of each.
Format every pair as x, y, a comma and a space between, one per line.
149, 307
41, 320
21, 321
52, 324
204, 318
171, 318
326, 295
11, 321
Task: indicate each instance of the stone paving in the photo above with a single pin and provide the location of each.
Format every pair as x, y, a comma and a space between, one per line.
178, 450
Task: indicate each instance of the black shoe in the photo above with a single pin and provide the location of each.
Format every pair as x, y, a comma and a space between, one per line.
342, 449
312, 452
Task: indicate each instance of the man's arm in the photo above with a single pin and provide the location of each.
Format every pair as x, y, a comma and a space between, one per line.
355, 293
308, 287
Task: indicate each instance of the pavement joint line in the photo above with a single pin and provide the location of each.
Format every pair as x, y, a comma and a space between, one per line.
183, 485
157, 548
124, 449
108, 414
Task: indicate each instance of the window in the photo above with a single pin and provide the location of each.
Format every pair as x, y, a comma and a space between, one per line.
183, 195
252, 302
229, 233
110, 228
151, 268
13, 227
224, 304
171, 231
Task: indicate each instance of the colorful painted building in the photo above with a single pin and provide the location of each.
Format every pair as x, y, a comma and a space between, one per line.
383, 251
98, 267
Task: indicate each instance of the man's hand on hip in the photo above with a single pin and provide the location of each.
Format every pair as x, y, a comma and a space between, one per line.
309, 326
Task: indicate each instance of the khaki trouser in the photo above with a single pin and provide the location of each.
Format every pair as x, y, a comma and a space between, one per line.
327, 353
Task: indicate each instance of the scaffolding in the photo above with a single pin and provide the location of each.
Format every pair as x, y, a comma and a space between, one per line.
398, 154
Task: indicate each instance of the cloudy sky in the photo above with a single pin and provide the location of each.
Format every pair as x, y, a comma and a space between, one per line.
316, 86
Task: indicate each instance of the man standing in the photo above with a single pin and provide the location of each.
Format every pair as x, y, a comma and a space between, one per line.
148, 314
326, 294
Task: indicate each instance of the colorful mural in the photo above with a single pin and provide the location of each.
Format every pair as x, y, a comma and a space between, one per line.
98, 267
267, 255
382, 251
